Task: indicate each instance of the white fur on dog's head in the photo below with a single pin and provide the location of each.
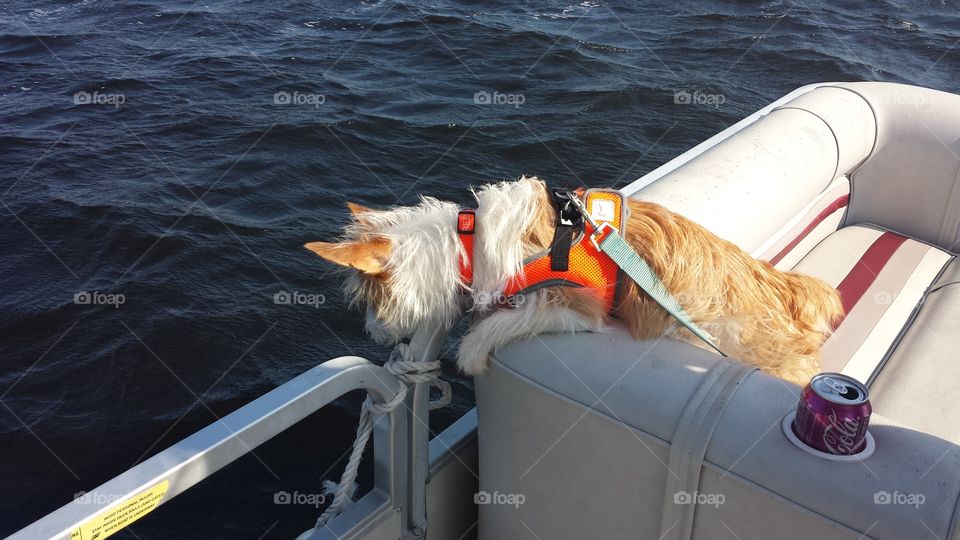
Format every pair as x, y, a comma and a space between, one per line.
407, 258
415, 279
505, 211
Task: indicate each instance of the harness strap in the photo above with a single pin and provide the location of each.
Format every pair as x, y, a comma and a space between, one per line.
569, 224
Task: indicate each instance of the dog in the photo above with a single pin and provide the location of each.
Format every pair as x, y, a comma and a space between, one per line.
407, 262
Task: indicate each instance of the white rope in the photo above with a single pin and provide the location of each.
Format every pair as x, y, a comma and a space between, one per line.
408, 371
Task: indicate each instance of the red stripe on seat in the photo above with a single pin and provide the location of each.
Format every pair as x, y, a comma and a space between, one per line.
834, 206
863, 274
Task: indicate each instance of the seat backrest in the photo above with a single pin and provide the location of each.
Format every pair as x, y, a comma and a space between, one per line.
753, 187
909, 182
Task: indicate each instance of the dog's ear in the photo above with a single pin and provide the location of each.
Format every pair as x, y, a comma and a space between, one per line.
369, 257
360, 213
357, 209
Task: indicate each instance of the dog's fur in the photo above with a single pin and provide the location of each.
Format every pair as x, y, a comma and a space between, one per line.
407, 261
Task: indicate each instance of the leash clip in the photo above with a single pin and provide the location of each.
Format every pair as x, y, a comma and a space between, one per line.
596, 233
597, 228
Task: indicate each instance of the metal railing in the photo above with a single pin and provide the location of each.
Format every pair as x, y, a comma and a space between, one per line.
395, 508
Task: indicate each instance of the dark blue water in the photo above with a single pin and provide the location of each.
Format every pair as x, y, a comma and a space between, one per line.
180, 153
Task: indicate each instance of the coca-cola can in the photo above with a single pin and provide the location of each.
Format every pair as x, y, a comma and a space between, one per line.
833, 414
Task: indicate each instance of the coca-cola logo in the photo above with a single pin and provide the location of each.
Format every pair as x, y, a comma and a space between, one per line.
842, 436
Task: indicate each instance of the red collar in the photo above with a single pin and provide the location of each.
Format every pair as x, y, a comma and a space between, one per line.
466, 226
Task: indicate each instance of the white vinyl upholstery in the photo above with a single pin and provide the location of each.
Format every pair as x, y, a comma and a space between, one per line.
777, 183
909, 184
771, 170
917, 385
588, 444
848, 116
808, 227
888, 284
855, 183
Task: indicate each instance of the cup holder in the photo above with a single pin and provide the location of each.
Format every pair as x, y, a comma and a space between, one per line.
787, 426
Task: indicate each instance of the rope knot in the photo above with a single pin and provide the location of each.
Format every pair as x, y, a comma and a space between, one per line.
407, 370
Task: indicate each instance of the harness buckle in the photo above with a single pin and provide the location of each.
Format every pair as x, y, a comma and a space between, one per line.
567, 212
466, 221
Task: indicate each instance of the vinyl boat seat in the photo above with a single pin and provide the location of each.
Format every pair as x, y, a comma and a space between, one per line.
608, 437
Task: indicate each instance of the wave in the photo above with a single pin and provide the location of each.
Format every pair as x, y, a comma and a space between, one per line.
14, 46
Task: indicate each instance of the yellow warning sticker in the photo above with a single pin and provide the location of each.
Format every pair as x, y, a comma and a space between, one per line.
118, 517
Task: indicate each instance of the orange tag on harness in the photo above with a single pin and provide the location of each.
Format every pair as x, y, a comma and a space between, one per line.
606, 206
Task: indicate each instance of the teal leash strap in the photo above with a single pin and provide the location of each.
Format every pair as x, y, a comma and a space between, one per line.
640, 272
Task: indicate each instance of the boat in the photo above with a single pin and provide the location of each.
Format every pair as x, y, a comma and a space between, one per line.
597, 435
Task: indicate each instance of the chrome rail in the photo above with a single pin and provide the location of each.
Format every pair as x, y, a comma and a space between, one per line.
120, 501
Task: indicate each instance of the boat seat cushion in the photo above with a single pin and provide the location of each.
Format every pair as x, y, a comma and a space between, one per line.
585, 428
917, 385
882, 277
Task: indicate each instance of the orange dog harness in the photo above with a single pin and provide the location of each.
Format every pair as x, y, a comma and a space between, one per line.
573, 259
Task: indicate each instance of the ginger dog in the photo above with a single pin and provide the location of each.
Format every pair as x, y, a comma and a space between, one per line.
407, 261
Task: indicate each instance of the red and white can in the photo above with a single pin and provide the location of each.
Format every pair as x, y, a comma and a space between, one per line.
833, 414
